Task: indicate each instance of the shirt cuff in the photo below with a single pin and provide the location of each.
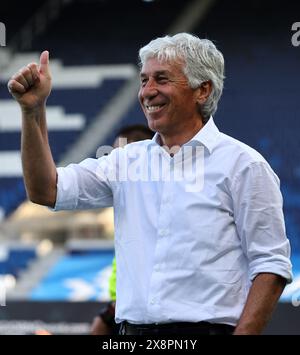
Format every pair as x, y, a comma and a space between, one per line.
67, 189
282, 268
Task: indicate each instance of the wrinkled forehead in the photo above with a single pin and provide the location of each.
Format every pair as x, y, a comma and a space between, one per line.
156, 65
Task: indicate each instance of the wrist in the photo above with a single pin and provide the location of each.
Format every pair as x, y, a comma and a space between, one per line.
33, 110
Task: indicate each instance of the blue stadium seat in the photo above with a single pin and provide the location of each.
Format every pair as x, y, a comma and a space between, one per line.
18, 260
77, 276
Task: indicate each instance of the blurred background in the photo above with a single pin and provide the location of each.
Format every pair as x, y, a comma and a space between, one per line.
54, 267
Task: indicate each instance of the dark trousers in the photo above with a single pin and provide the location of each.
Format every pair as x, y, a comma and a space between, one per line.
181, 328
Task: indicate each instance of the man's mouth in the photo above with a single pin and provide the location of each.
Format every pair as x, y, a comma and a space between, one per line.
153, 108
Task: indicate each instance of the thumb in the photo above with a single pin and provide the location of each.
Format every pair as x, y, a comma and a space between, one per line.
44, 63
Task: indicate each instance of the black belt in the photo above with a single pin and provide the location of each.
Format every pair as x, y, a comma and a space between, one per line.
180, 328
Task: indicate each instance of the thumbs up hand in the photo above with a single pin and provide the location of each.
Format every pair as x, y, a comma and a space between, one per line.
31, 86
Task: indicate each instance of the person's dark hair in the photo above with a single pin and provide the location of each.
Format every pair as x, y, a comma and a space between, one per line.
135, 133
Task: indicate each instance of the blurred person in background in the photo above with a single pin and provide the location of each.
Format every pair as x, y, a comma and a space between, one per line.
104, 323
210, 257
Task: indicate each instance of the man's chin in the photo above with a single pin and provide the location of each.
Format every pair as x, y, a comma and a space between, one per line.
155, 124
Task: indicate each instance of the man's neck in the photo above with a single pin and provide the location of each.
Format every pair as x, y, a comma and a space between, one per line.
180, 138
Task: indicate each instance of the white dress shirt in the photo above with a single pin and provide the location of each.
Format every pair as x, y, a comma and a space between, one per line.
186, 248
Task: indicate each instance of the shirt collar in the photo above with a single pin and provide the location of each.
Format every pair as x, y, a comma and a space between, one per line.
207, 136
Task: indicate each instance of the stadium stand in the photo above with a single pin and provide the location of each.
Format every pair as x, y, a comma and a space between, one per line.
12, 20
80, 275
93, 47
15, 259
107, 32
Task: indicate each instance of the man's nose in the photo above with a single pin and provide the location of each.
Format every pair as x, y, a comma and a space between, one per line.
149, 90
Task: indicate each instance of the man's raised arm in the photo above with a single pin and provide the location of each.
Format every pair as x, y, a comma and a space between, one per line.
31, 87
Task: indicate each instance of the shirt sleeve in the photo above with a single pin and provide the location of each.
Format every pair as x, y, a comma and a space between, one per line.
84, 185
259, 219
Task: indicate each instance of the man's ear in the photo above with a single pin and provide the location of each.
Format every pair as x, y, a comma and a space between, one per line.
203, 92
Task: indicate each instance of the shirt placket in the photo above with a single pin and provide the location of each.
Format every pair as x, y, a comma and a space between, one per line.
164, 224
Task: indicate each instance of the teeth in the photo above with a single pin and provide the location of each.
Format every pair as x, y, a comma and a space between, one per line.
153, 108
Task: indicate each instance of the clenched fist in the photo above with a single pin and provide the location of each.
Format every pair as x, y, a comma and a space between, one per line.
32, 84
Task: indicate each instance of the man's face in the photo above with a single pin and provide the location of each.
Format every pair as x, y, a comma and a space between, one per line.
167, 100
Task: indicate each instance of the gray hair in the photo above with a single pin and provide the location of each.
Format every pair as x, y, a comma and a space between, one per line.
202, 62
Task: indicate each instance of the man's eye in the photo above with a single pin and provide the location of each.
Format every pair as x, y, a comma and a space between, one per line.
143, 82
162, 79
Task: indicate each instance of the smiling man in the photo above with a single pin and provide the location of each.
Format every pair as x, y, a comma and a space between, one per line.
211, 260
164, 93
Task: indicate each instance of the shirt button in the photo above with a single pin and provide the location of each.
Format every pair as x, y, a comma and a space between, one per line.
152, 301
163, 232
166, 200
156, 268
